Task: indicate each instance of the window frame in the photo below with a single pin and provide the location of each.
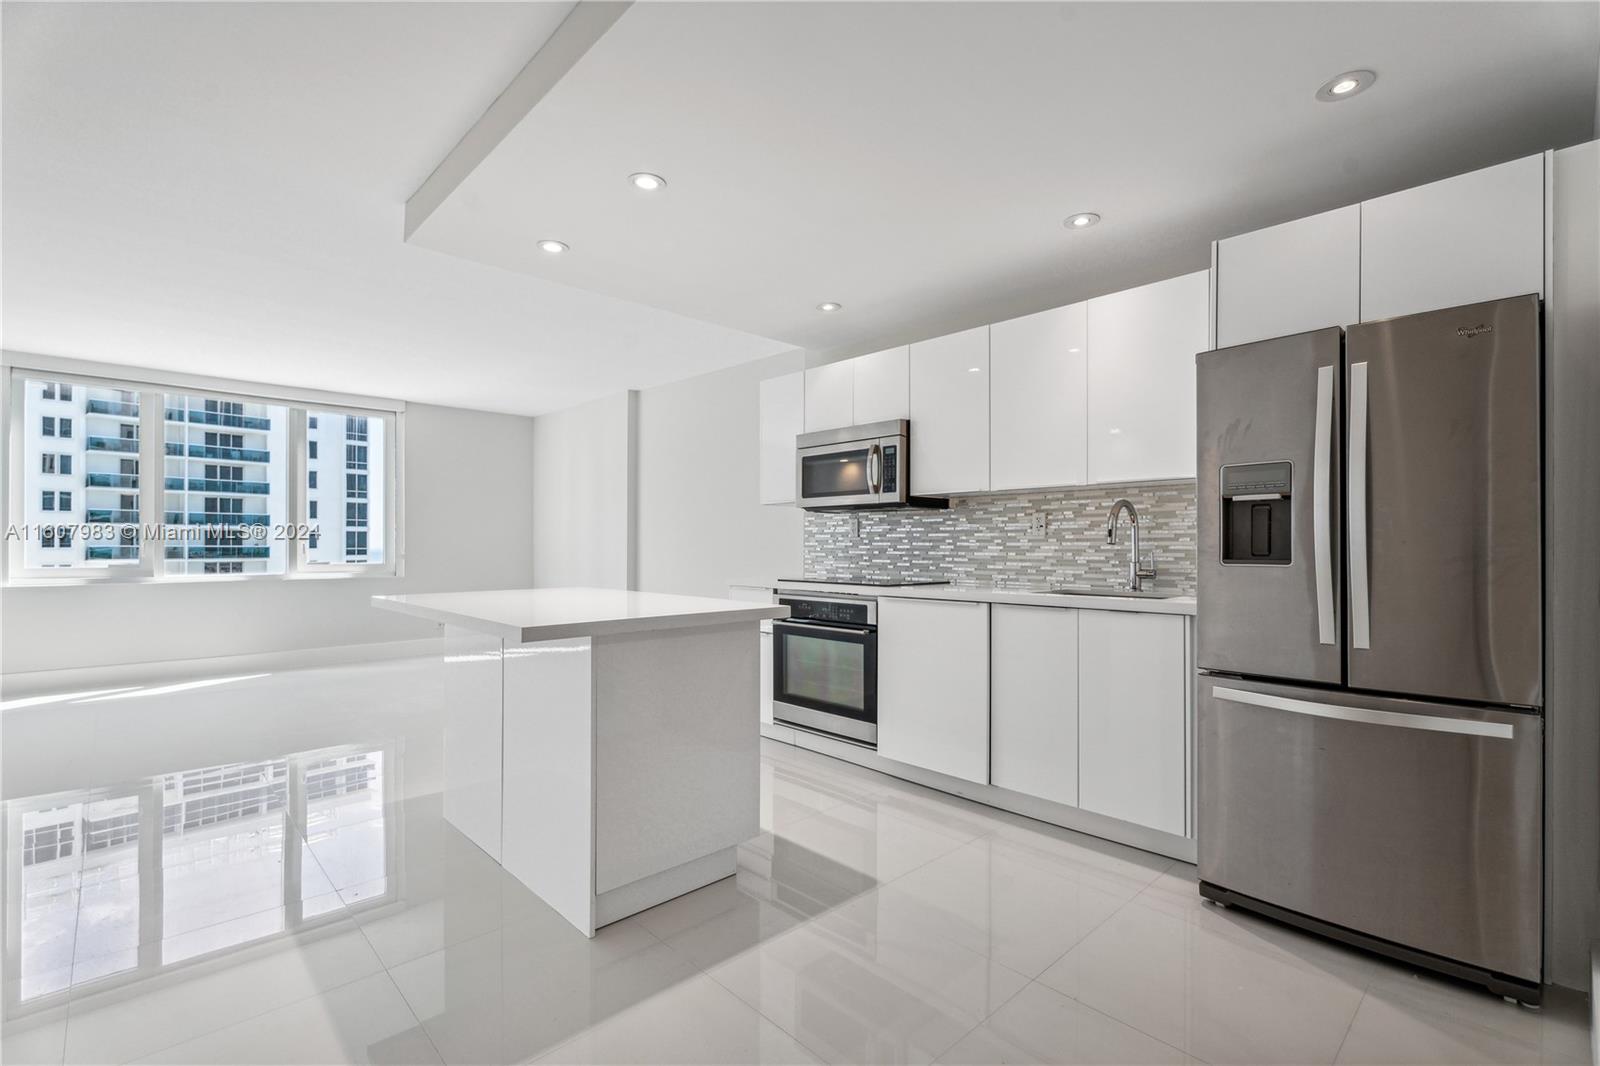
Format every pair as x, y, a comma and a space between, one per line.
151, 387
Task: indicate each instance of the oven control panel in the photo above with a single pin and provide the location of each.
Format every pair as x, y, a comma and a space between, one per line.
841, 612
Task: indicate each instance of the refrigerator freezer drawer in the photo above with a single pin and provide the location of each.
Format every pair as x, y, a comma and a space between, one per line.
1414, 822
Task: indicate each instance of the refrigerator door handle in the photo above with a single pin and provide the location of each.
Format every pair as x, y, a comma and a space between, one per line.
1367, 715
1321, 505
1360, 593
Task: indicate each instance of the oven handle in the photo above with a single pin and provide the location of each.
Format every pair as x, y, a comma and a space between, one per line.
803, 626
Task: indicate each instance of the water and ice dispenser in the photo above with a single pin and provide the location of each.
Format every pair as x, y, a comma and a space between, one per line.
1256, 523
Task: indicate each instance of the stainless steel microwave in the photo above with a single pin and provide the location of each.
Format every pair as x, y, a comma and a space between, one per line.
856, 467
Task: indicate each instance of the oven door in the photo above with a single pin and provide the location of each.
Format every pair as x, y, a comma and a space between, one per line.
825, 677
840, 475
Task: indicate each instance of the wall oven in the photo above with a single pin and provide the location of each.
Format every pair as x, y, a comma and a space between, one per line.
825, 666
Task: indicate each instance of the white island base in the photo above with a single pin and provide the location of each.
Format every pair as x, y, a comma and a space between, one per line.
608, 772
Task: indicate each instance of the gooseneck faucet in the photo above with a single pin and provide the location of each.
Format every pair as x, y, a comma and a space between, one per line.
1138, 568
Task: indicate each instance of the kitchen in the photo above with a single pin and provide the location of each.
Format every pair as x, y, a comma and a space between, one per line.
985, 640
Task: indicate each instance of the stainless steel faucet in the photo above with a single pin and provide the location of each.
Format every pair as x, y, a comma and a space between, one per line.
1138, 569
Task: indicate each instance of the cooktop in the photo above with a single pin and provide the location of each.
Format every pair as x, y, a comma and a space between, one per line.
877, 581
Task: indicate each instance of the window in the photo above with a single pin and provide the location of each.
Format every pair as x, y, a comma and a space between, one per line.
360, 537
221, 516
221, 502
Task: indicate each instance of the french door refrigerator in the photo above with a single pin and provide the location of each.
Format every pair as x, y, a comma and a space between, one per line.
1370, 636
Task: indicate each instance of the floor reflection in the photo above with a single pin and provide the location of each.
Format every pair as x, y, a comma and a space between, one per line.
111, 885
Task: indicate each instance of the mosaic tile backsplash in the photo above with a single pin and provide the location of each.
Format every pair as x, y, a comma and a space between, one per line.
987, 540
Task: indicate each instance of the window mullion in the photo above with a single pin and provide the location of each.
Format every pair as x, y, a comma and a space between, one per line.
295, 497
152, 482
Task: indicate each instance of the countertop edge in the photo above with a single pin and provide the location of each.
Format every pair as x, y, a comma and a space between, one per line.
604, 627
1178, 605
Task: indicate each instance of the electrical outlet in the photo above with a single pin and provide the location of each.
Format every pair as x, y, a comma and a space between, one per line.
855, 526
1039, 522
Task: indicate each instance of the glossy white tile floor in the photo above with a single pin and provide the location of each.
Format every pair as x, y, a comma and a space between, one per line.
267, 878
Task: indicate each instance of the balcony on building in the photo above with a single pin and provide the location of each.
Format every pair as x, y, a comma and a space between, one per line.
114, 444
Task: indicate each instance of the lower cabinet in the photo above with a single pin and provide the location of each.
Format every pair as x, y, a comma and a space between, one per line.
1133, 682
766, 677
1034, 701
933, 685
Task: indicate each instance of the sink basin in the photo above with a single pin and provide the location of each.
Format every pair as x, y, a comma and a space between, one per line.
1144, 594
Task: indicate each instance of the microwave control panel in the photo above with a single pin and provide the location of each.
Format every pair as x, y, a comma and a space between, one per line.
891, 466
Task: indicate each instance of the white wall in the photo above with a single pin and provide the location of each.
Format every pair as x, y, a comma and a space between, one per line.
469, 516
1572, 581
699, 525
583, 488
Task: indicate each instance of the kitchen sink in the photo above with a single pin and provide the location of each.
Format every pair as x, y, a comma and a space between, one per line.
1144, 594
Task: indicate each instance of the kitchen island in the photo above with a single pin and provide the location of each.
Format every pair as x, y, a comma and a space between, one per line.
600, 744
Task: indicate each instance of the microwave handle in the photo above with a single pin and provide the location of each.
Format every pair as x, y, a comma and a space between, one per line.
875, 469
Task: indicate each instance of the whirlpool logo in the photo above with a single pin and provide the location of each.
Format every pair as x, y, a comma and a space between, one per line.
1474, 331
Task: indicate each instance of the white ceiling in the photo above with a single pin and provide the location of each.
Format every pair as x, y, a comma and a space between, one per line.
219, 188
914, 161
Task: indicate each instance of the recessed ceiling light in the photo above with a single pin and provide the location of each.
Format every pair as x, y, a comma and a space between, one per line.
974, 369
1082, 220
552, 247
1345, 85
829, 306
648, 182
1073, 351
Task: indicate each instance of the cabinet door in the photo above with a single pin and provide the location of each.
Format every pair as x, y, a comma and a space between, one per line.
1467, 239
933, 685
1037, 371
783, 401
1142, 344
766, 677
882, 389
1293, 278
1033, 692
830, 396
950, 414
1132, 711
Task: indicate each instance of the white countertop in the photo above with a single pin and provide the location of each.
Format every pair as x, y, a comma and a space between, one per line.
973, 593
525, 615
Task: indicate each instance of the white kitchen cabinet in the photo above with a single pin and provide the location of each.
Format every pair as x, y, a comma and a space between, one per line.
766, 677
1142, 344
882, 385
1037, 381
950, 414
933, 685
1033, 694
830, 396
783, 401
1474, 237
1300, 276
1133, 684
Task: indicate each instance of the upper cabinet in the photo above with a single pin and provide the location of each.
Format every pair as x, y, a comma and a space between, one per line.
1037, 381
950, 414
1476, 237
783, 401
882, 385
1293, 278
830, 396
1141, 379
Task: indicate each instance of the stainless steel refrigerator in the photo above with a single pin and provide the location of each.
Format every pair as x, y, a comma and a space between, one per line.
1370, 636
